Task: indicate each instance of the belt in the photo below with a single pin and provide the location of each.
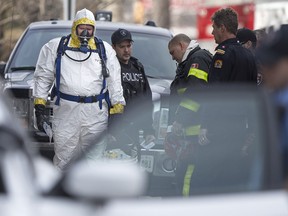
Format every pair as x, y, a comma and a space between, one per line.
83, 99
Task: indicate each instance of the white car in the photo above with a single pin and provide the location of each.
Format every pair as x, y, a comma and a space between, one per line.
239, 169
150, 46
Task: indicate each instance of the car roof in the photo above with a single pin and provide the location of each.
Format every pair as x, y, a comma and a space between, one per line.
103, 25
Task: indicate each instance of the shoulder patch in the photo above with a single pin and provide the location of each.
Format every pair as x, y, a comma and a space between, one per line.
220, 51
194, 65
218, 63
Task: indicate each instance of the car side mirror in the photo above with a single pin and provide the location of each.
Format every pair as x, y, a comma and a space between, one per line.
102, 180
2, 69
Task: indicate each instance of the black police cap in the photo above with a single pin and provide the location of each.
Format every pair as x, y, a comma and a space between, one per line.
120, 35
244, 35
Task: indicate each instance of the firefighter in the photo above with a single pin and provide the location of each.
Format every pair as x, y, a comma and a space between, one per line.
184, 111
231, 62
79, 65
192, 70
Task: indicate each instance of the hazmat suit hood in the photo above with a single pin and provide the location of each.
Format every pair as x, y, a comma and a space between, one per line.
83, 16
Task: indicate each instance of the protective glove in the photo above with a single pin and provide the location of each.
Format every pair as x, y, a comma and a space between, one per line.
40, 116
117, 109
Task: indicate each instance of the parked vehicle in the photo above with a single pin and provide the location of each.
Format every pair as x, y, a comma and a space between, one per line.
150, 46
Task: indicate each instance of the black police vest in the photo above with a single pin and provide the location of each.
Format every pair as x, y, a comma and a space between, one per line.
133, 81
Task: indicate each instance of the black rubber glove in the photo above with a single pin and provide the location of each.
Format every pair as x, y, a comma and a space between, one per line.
40, 116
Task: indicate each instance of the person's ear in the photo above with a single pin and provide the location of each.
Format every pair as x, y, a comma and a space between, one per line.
249, 44
183, 46
222, 28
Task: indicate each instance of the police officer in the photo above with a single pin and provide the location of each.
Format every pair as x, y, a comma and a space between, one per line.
247, 38
184, 111
231, 62
136, 91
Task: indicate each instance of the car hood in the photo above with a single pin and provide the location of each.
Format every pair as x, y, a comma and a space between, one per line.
25, 78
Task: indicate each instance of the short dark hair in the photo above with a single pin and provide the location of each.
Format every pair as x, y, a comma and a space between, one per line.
179, 38
227, 17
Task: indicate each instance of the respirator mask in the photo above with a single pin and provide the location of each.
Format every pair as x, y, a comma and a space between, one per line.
84, 37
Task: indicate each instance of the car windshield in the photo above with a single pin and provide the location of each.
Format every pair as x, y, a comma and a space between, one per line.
160, 65
27, 52
151, 50
233, 157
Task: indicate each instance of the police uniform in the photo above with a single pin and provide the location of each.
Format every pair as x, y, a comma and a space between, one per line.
232, 63
138, 97
137, 94
134, 82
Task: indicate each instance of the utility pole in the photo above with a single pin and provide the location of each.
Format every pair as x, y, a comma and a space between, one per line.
117, 8
69, 7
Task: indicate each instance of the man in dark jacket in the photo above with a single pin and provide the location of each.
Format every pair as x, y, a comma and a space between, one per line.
184, 111
136, 91
247, 38
231, 62
193, 66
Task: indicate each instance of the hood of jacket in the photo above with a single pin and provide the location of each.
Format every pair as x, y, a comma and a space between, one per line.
86, 17
192, 45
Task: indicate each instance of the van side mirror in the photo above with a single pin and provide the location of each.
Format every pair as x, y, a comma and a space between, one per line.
2, 69
103, 15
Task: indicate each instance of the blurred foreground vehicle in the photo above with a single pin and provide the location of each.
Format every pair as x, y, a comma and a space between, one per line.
237, 172
242, 153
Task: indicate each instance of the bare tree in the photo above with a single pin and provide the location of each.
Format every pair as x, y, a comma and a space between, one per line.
94, 5
19, 14
161, 12
116, 6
